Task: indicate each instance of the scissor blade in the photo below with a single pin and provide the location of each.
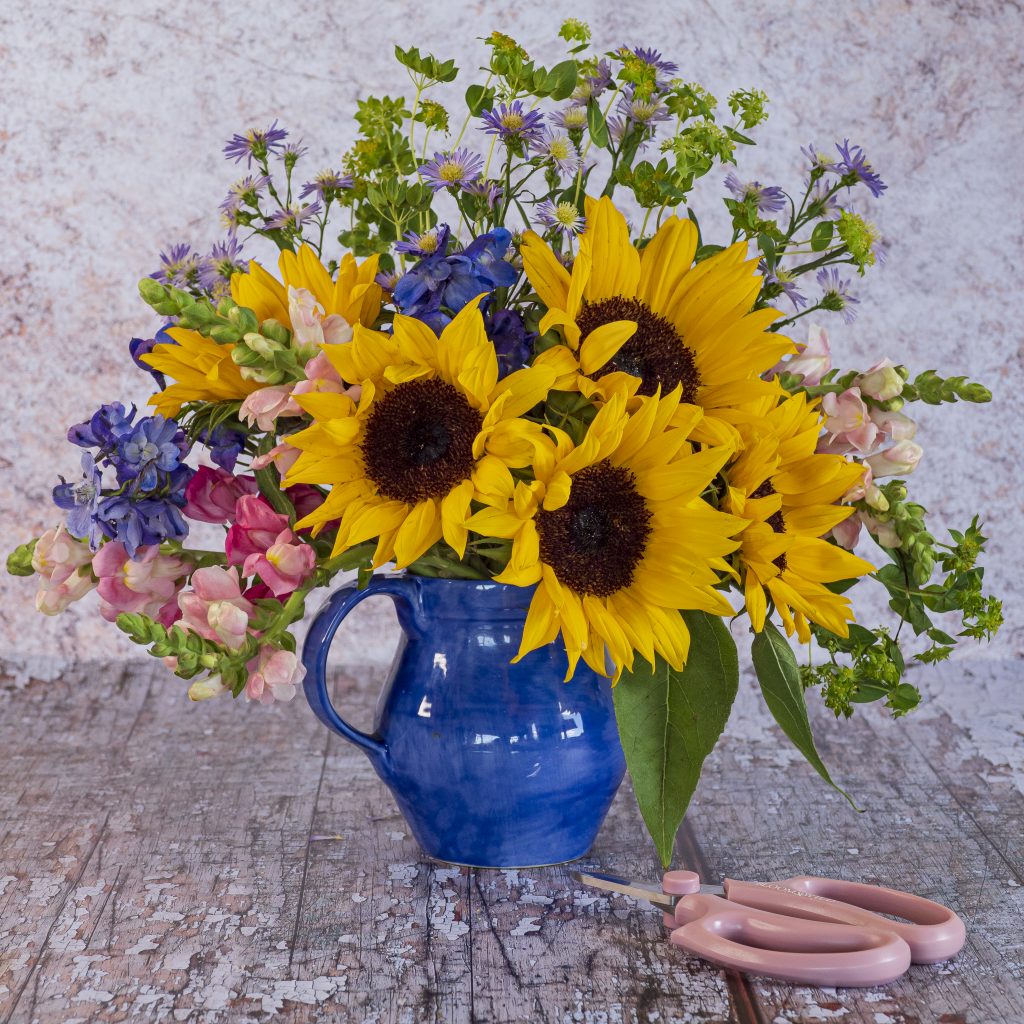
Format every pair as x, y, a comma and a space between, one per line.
639, 891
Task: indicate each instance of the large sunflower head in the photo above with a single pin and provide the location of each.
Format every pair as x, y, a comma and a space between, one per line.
204, 371
650, 322
400, 462
615, 534
789, 493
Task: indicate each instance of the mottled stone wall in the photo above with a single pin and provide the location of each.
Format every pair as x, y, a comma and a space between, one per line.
111, 124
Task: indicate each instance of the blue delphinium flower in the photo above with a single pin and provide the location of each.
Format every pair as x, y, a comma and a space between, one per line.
855, 164
224, 444
141, 522
513, 344
155, 445
81, 500
513, 121
439, 285
139, 347
453, 169
255, 144
767, 198
104, 429
837, 296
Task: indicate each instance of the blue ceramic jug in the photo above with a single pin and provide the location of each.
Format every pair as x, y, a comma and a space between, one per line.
492, 764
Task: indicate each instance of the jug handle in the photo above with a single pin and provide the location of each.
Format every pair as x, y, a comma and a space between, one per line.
318, 645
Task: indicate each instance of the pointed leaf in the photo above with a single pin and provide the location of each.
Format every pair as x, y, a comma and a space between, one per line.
669, 722
779, 676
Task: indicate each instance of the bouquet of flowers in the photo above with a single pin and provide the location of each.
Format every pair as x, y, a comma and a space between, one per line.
502, 348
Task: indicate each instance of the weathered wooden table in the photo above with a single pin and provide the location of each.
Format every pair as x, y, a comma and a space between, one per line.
161, 861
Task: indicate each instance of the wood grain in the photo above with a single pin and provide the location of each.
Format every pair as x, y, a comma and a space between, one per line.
162, 861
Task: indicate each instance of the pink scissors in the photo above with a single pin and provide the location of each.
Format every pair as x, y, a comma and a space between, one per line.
816, 931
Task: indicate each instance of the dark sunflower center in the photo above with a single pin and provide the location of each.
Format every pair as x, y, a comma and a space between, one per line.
597, 539
419, 441
656, 353
775, 520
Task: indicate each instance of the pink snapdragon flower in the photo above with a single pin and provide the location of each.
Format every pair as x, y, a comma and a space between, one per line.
898, 460
881, 382
813, 360
310, 328
255, 529
148, 583
883, 532
283, 456
61, 562
894, 424
207, 687
211, 494
284, 566
215, 608
263, 407
847, 533
849, 424
273, 675
305, 499
264, 545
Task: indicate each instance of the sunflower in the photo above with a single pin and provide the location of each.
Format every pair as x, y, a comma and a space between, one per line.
789, 494
637, 323
204, 370
614, 533
400, 463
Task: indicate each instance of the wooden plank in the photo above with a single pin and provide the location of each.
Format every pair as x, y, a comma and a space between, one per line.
164, 861
760, 814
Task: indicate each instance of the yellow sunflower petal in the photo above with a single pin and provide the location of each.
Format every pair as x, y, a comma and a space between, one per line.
614, 262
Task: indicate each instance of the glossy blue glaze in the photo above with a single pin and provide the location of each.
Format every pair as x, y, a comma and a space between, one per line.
492, 764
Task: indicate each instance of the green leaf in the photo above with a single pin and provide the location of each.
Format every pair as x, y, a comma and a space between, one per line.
779, 676
596, 124
478, 98
561, 80
669, 722
821, 236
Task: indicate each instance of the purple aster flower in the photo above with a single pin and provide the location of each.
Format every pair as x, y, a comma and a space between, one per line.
486, 189
767, 198
291, 218
560, 150
513, 121
293, 152
81, 500
225, 260
246, 190
781, 279
593, 85
666, 69
819, 161
387, 280
156, 445
453, 169
326, 185
179, 266
572, 118
642, 110
837, 296
425, 243
822, 205
855, 164
255, 144
565, 217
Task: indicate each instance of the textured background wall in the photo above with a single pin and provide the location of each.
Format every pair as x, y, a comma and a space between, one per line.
112, 118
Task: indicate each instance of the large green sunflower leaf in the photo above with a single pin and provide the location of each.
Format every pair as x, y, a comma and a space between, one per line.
669, 722
779, 676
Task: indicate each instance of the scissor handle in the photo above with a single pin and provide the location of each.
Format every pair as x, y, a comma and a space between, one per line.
779, 946
933, 932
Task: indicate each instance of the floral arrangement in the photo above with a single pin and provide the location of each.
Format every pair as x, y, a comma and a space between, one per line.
503, 349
